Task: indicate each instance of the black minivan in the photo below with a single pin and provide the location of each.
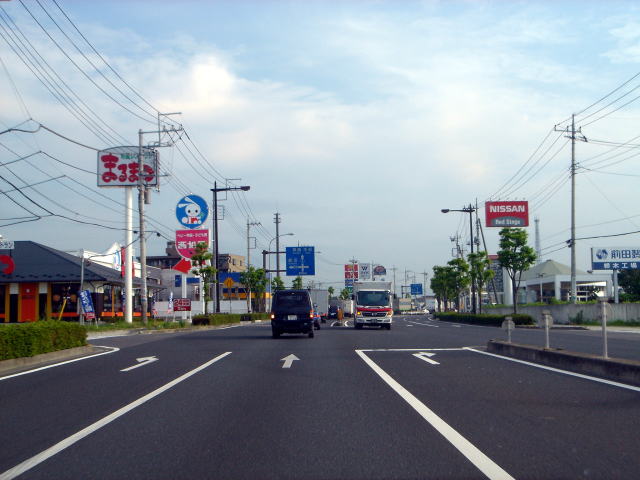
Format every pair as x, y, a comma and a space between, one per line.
291, 312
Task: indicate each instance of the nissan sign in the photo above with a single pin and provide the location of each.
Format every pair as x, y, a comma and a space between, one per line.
507, 214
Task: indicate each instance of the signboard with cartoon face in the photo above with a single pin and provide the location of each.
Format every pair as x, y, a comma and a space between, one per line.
192, 211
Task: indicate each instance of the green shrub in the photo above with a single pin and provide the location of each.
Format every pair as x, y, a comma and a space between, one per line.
28, 339
487, 319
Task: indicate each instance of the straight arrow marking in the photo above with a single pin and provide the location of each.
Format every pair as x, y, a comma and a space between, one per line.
288, 360
141, 363
425, 356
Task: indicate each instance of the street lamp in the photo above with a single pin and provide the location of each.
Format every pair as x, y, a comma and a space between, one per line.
215, 191
470, 209
277, 253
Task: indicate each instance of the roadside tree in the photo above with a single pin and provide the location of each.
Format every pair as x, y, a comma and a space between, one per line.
201, 263
256, 280
480, 272
345, 294
459, 277
629, 280
277, 284
331, 291
297, 283
515, 256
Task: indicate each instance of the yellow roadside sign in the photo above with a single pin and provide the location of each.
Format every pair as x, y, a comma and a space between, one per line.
228, 282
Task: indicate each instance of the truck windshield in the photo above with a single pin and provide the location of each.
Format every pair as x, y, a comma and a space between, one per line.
373, 299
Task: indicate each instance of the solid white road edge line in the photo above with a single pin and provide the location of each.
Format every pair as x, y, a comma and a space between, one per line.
454, 349
113, 350
76, 437
557, 370
471, 452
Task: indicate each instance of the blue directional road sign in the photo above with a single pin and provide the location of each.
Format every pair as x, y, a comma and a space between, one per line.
301, 261
416, 289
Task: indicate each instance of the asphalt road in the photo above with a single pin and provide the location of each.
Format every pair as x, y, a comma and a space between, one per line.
422, 401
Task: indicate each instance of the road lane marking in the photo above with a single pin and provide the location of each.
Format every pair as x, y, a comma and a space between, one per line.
454, 349
557, 370
76, 437
470, 451
288, 360
425, 356
141, 363
423, 324
112, 350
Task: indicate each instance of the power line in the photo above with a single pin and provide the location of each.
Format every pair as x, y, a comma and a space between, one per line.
91, 63
102, 58
107, 94
45, 74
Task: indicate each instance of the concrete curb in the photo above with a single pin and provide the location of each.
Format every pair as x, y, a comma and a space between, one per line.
15, 365
144, 331
616, 369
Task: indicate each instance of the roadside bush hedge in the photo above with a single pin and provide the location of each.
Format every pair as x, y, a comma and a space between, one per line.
487, 319
28, 339
227, 318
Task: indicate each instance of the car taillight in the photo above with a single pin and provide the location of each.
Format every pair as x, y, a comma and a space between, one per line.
311, 314
273, 316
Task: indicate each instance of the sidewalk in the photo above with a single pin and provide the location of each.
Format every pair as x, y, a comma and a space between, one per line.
629, 329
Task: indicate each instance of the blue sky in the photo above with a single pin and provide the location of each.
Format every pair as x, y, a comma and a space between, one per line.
356, 120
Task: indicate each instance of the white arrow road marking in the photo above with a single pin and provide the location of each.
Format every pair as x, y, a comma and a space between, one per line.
425, 356
76, 437
288, 360
492, 470
142, 362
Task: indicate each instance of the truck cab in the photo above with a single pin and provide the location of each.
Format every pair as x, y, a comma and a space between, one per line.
373, 303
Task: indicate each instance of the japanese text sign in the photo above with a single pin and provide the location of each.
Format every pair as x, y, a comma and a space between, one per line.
181, 304
615, 258
300, 261
351, 271
119, 167
87, 304
186, 241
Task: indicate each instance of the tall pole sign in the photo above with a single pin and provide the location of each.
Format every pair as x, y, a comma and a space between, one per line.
122, 167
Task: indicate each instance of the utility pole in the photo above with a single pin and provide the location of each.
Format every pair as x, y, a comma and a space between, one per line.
394, 281
493, 280
277, 221
248, 287
143, 197
572, 135
424, 291
216, 252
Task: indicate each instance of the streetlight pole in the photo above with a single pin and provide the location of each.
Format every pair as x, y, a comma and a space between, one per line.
215, 191
277, 237
470, 209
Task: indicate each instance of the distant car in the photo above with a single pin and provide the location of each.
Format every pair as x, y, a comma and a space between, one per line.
292, 312
333, 311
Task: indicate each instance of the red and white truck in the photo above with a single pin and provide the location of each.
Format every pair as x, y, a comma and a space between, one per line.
373, 304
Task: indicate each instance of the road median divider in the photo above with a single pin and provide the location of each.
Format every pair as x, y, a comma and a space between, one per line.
615, 369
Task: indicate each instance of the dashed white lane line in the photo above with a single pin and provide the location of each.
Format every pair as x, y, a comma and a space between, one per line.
76, 437
487, 466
